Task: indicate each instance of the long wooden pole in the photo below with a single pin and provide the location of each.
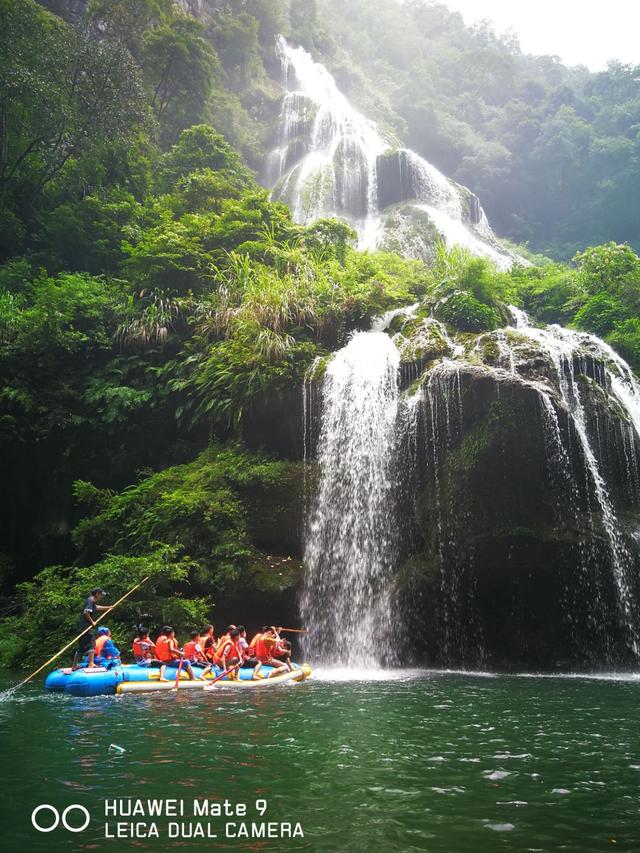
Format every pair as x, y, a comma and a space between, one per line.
88, 628
294, 630
222, 675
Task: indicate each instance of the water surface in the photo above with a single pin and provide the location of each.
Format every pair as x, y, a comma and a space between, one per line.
426, 762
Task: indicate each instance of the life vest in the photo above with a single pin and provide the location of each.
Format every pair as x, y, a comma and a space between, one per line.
142, 648
102, 639
264, 647
232, 648
164, 645
280, 650
193, 651
208, 646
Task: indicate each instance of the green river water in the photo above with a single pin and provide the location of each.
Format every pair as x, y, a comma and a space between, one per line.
428, 761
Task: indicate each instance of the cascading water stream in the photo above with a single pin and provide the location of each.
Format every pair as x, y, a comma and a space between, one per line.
379, 448
331, 160
563, 347
352, 530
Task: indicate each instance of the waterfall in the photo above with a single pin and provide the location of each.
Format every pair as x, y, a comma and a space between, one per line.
402, 432
330, 160
352, 530
564, 347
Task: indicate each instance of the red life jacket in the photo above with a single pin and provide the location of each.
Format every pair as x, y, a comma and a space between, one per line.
264, 647
102, 639
228, 649
164, 645
142, 648
208, 646
280, 650
193, 651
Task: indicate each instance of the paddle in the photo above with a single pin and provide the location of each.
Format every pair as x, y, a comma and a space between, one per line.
88, 628
222, 675
293, 630
179, 671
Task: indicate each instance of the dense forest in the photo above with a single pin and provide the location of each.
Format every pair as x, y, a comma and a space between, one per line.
158, 312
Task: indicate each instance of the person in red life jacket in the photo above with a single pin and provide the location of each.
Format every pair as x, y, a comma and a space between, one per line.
229, 651
105, 651
263, 645
208, 642
169, 654
282, 649
143, 649
194, 654
86, 642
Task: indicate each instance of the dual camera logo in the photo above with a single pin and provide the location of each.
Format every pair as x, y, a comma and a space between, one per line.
46, 818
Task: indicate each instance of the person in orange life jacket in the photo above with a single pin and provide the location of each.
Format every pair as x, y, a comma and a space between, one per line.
229, 651
282, 650
143, 649
86, 642
194, 654
215, 657
263, 645
105, 651
208, 642
169, 654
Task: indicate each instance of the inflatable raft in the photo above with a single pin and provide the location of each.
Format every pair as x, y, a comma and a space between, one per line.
131, 678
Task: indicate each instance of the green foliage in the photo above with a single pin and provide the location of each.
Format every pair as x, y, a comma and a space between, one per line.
51, 603
607, 267
600, 314
64, 90
466, 313
178, 67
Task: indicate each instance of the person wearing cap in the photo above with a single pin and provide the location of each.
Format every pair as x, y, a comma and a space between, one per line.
105, 650
87, 640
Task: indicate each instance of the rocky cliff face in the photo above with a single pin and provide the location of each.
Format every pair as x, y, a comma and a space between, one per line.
516, 498
522, 501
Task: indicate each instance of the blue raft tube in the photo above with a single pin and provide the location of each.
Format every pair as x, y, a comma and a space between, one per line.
132, 678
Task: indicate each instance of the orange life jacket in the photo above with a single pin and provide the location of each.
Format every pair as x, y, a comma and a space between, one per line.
102, 639
280, 649
228, 648
193, 650
264, 646
208, 644
164, 645
142, 648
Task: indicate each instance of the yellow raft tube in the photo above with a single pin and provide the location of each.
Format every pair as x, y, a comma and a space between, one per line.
153, 686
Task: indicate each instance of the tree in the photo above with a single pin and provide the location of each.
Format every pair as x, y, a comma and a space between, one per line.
62, 91
178, 66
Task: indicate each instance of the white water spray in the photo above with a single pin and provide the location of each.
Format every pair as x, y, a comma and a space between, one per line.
352, 530
330, 160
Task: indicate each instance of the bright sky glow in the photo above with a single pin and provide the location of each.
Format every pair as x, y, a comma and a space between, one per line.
582, 32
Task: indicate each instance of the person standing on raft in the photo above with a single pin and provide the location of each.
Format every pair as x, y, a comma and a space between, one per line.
86, 643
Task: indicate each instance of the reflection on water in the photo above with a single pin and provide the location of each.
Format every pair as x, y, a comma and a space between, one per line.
423, 761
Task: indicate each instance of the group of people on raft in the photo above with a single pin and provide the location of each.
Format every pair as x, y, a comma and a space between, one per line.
203, 651
229, 652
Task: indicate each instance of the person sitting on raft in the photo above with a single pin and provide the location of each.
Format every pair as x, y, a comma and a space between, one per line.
282, 650
229, 651
143, 649
194, 654
208, 642
87, 641
263, 645
169, 654
105, 650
